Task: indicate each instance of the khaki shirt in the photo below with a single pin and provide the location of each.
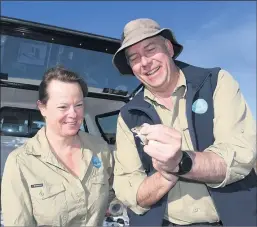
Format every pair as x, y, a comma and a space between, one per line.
38, 190
235, 142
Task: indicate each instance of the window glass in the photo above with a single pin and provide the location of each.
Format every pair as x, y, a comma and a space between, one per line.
107, 124
14, 122
83, 126
37, 122
29, 59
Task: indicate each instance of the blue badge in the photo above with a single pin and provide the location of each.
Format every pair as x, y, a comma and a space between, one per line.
200, 106
96, 162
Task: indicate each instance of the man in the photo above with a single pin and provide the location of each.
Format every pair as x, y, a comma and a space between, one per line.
194, 165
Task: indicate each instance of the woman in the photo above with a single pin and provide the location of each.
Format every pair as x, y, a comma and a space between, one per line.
60, 176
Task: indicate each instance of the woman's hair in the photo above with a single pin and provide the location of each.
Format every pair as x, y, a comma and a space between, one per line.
61, 74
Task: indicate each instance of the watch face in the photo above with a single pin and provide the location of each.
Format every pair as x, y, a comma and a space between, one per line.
186, 164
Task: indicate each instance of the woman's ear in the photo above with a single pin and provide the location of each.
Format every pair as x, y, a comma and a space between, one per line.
42, 108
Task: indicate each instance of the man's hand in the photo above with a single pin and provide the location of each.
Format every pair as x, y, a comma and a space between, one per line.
168, 176
164, 146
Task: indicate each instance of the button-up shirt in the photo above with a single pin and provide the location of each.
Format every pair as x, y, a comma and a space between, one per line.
37, 189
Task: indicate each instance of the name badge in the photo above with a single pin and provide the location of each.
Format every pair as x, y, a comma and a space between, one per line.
36, 185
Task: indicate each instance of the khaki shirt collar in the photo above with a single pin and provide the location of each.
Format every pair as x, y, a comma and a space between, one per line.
181, 84
87, 149
39, 146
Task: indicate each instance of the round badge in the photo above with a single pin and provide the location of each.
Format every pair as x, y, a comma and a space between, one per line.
200, 106
96, 162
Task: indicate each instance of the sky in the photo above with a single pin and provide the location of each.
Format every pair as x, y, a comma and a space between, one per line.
213, 33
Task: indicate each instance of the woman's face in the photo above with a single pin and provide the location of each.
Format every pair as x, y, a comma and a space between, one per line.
64, 110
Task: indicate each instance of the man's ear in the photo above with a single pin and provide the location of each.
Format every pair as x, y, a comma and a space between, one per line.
42, 108
169, 47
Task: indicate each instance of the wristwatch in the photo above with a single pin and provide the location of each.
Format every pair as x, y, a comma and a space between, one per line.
185, 165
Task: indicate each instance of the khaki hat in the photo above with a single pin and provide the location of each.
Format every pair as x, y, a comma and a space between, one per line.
136, 31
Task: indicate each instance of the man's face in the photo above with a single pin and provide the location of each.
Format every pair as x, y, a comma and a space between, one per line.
150, 61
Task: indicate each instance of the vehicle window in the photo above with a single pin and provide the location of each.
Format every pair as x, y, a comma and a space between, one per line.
107, 124
83, 126
21, 122
37, 122
14, 122
29, 59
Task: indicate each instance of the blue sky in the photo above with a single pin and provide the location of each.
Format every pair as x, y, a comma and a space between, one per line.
212, 33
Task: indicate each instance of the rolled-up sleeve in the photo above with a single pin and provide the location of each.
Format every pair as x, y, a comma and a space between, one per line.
15, 199
128, 170
234, 130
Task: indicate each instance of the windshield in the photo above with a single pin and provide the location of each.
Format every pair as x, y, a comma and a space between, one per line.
29, 59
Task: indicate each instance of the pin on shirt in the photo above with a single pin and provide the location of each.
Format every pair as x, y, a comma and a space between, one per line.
200, 106
96, 162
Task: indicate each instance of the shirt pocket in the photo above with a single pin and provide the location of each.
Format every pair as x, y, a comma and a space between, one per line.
98, 188
50, 204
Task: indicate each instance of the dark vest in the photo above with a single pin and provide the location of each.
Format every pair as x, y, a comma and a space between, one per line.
236, 202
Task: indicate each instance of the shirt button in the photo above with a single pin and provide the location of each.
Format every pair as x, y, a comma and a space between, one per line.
81, 200
196, 209
41, 193
242, 130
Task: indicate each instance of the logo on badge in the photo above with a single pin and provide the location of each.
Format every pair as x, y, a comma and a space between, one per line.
96, 162
200, 106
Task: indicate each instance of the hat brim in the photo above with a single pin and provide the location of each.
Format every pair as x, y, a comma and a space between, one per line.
119, 59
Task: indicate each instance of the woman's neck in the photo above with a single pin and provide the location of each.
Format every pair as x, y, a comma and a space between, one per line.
62, 144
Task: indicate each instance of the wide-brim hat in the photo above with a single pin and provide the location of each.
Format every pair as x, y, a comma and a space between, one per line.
136, 31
